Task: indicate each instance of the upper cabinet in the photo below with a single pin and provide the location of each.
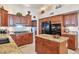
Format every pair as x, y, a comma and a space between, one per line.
70, 19
14, 19
28, 20
10, 19
3, 17
56, 19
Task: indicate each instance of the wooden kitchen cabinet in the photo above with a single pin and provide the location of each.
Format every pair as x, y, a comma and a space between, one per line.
22, 39
56, 19
39, 47
44, 46
17, 19
72, 42
70, 20
14, 19
29, 21
0, 18
24, 20
3, 17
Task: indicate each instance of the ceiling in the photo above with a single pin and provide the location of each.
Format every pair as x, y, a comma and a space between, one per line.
35, 6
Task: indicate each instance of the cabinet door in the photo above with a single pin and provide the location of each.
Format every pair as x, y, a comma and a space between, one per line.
39, 48
10, 20
29, 20
16, 19
74, 20
51, 47
56, 19
23, 20
72, 42
67, 21
70, 20
4, 18
0, 17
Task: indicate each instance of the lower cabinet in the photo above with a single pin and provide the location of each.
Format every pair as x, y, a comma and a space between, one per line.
72, 42
23, 39
44, 46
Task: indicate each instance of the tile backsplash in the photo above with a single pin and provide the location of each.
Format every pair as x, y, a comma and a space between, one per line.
71, 29
13, 29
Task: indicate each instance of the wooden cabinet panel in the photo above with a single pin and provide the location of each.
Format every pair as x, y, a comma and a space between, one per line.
72, 42
23, 20
39, 47
56, 19
16, 20
23, 39
26, 20
10, 20
67, 20
44, 46
4, 17
70, 19
0, 18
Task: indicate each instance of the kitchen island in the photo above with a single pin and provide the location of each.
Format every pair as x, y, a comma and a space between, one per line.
22, 38
48, 44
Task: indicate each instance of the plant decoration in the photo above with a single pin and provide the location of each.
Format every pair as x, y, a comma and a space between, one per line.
2, 7
19, 14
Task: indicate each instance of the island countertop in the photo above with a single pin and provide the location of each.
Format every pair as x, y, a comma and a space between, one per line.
51, 37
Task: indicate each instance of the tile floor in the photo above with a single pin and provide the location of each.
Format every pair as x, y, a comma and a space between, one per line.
30, 49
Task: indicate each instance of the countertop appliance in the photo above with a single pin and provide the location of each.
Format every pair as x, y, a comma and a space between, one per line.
3, 31
56, 29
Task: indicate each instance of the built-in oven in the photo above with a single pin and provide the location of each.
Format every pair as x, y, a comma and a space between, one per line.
56, 29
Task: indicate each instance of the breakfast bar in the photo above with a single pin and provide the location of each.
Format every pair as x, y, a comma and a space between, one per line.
49, 44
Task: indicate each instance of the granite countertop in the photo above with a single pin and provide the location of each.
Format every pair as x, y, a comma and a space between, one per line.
2, 36
8, 47
50, 37
70, 33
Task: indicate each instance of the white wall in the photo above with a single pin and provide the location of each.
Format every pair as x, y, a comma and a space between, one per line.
14, 8
64, 9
